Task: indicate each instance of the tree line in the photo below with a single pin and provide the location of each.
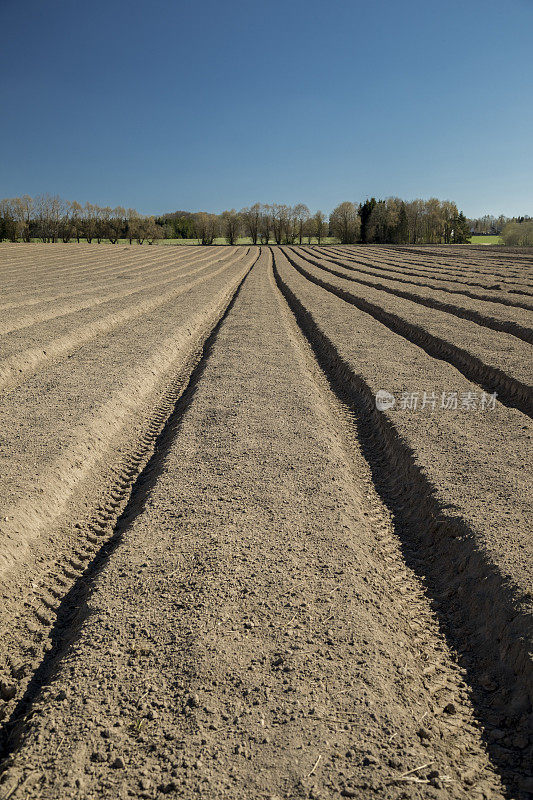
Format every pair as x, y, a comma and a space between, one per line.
52, 219
392, 220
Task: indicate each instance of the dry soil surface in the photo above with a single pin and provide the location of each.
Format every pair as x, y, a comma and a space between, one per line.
224, 572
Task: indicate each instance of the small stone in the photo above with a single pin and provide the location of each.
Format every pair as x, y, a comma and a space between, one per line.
168, 788
7, 691
423, 733
98, 757
118, 763
193, 701
450, 708
61, 695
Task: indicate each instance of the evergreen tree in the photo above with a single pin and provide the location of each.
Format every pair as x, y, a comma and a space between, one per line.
365, 210
403, 226
461, 229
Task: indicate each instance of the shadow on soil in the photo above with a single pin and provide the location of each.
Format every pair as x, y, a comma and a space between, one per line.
485, 621
73, 609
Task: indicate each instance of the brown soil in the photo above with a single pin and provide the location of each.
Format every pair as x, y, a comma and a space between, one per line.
224, 573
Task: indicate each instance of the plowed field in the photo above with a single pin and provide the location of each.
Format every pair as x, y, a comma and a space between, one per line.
226, 570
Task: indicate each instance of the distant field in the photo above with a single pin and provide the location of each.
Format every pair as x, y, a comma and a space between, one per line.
242, 240
220, 240
486, 240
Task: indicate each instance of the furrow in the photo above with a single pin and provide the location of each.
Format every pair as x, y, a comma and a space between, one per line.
397, 272
502, 325
14, 368
487, 619
511, 391
57, 312
44, 590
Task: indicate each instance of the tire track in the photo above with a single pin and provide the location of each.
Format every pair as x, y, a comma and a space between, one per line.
200, 577
41, 624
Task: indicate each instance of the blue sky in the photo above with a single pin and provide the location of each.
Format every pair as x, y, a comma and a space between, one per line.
164, 105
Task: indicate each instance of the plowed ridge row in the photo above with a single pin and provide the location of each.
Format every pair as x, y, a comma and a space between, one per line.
511, 388
14, 368
507, 319
470, 570
445, 283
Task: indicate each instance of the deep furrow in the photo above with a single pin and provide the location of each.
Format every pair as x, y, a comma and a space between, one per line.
50, 608
396, 272
14, 368
469, 592
511, 391
504, 326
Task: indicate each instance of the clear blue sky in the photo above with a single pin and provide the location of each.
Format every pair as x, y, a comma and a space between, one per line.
164, 105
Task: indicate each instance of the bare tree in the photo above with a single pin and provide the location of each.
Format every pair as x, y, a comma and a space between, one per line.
116, 224
10, 228
345, 222
415, 210
265, 224
48, 210
76, 216
22, 210
318, 227
132, 224
301, 214
153, 231
206, 227
251, 218
282, 218
90, 221
231, 223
